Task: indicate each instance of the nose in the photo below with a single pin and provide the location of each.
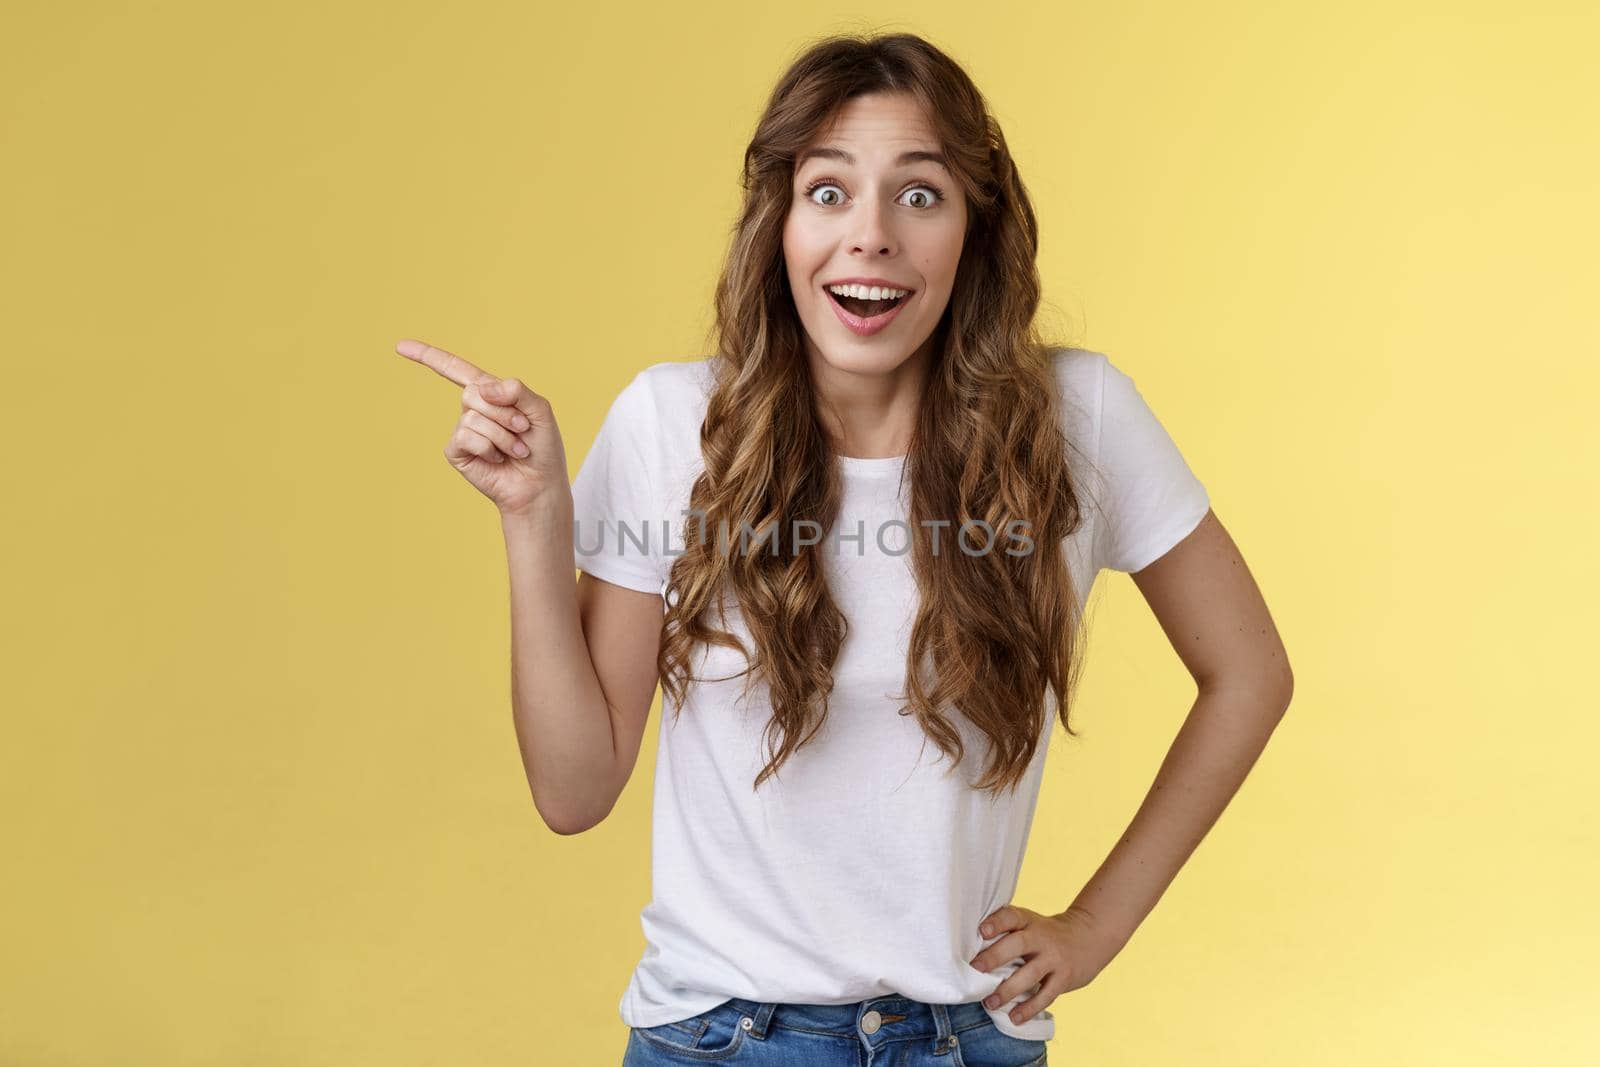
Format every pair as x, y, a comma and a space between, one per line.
872, 232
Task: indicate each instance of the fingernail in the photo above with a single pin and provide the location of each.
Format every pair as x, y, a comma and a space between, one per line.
987, 929
519, 423
522, 449
990, 1002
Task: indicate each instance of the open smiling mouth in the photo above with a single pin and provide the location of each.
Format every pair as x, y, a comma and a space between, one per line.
866, 317
865, 309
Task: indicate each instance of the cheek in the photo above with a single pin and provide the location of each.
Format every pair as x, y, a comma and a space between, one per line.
803, 257
943, 255
800, 242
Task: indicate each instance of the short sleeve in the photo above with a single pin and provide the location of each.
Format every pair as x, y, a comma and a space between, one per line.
1149, 498
617, 526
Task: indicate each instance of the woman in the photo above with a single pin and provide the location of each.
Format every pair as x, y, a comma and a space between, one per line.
881, 466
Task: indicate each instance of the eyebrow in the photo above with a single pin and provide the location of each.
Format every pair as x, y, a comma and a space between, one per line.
905, 158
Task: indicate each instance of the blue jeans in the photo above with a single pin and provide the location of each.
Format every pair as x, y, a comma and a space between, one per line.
882, 1032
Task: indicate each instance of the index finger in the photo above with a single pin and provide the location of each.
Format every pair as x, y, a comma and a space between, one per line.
445, 363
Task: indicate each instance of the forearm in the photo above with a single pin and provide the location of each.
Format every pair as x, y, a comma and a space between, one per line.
1220, 741
562, 721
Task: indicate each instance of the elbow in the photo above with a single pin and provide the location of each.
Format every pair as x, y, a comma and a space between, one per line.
1282, 687
567, 826
570, 797
569, 821
1272, 680
1267, 689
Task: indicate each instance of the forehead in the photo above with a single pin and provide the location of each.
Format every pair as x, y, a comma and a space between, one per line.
878, 126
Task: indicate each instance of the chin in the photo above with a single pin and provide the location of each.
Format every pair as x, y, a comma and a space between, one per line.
865, 357
879, 354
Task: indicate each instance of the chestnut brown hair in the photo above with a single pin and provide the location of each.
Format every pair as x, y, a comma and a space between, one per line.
997, 629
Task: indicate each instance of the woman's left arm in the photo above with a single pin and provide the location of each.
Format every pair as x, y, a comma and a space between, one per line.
1213, 613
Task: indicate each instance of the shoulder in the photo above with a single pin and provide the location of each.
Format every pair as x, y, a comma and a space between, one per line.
1079, 375
664, 397
670, 391
1079, 371
660, 410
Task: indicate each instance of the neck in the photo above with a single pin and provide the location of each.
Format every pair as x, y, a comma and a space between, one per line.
869, 415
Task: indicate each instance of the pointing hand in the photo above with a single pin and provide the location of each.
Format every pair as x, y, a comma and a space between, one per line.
506, 442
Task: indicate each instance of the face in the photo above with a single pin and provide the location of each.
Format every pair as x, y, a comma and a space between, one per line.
863, 209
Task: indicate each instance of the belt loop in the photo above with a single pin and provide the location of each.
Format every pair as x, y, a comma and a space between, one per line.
760, 1020
941, 1023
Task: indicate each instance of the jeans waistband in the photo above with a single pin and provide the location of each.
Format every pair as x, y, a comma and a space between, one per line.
896, 1017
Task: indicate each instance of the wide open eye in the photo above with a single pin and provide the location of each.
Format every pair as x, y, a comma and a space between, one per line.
929, 202
814, 186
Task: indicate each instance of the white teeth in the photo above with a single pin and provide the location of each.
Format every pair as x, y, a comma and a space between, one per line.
867, 292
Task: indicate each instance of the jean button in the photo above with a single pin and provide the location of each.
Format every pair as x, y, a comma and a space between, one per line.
746, 1023
870, 1022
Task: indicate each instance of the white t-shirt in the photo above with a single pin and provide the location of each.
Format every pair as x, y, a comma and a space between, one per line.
865, 866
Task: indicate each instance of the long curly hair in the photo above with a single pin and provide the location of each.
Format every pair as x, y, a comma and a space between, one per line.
997, 629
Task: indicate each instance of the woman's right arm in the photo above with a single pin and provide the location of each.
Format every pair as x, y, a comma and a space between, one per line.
583, 670
583, 654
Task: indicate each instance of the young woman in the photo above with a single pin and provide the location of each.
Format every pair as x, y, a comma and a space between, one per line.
869, 521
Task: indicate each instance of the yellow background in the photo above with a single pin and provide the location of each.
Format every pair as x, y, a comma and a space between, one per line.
262, 798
